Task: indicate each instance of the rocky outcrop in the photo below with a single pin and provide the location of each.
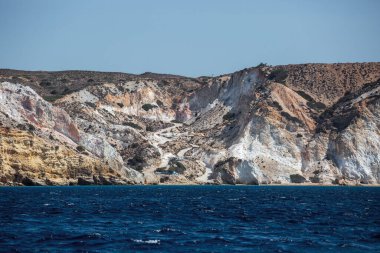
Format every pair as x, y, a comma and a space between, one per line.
26, 159
41, 144
225, 171
309, 123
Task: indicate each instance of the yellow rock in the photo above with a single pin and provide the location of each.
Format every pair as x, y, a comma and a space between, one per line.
28, 159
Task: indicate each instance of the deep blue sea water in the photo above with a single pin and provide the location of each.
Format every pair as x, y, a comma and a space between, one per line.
190, 219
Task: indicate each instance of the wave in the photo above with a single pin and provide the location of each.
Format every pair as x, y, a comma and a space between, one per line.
146, 241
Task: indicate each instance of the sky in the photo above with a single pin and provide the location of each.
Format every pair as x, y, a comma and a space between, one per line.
191, 38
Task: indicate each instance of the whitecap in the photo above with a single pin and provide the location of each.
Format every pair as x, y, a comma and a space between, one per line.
147, 241
163, 230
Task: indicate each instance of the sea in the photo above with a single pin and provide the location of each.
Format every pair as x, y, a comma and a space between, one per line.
190, 219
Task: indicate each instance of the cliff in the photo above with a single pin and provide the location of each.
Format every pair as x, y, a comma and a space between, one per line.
309, 123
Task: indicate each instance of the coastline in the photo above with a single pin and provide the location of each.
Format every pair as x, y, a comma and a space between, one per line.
211, 185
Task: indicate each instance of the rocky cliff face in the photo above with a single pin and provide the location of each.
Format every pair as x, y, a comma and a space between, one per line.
40, 144
312, 123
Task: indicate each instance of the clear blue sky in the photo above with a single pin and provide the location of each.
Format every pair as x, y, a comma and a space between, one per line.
193, 38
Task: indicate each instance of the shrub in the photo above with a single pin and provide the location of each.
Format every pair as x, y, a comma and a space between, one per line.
147, 107
135, 145
229, 116
120, 105
261, 65
133, 125
31, 128
149, 128
45, 83
278, 75
121, 88
180, 168
277, 105
90, 104
161, 169
290, 118
80, 148
52, 98
316, 105
305, 95
21, 126
66, 90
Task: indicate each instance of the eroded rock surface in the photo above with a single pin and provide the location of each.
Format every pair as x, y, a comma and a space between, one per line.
309, 123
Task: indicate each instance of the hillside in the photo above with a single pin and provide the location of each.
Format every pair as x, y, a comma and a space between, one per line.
307, 123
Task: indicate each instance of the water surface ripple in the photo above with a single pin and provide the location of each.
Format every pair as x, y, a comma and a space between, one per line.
190, 219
